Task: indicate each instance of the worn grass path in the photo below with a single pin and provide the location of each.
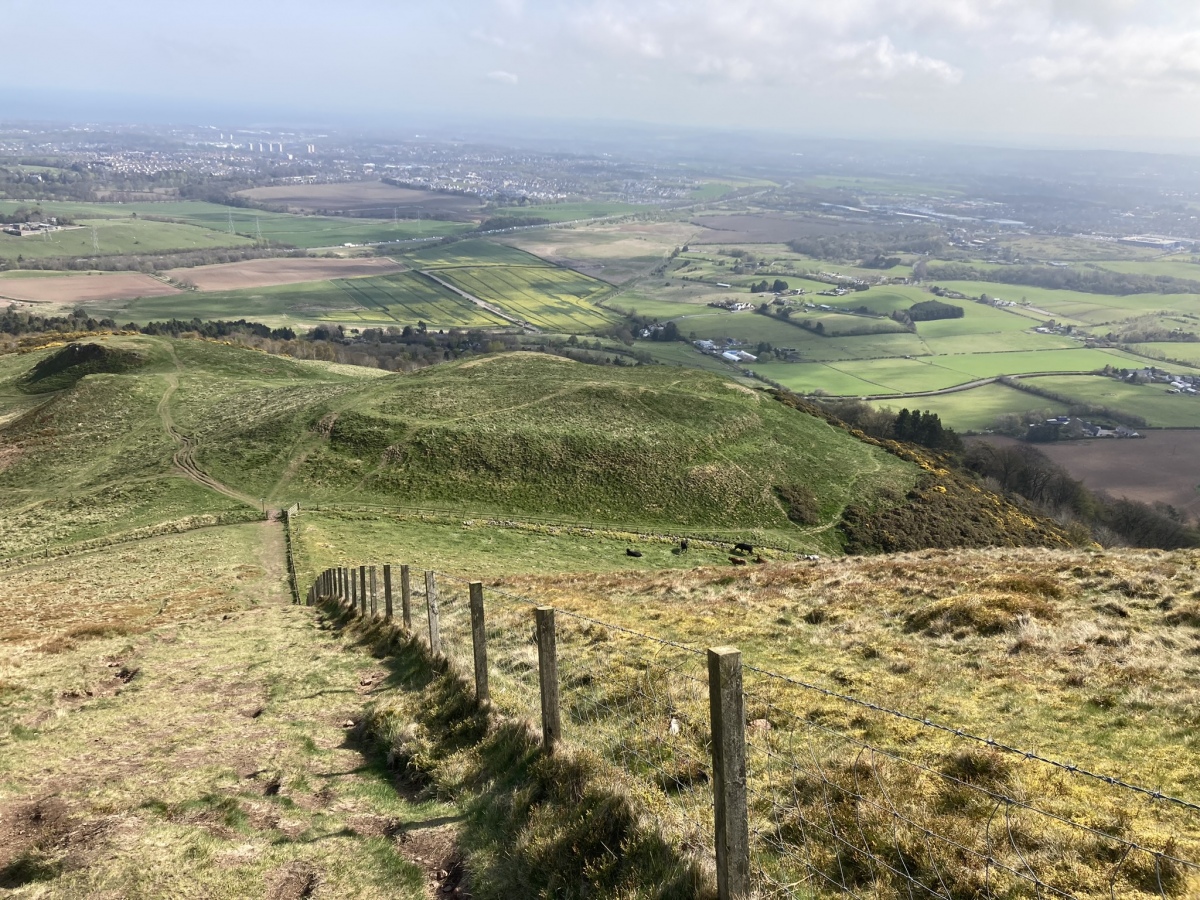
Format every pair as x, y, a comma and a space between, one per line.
212, 757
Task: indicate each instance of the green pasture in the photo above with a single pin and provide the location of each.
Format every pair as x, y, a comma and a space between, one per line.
1002, 342
1185, 267
990, 365
117, 237
1185, 352
402, 299
1077, 307
547, 297
408, 298
471, 253
1150, 401
976, 409
282, 228
808, 378
978, 318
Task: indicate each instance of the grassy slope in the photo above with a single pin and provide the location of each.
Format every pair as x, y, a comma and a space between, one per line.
542, 436
149, 747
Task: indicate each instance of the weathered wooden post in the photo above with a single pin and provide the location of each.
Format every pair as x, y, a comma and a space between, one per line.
431, 601
479, 640
362, 591
387, 592
374, 594
548, 678
352, 597
406, 597
727, 710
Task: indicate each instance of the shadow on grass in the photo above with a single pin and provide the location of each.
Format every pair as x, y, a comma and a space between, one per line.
562, 826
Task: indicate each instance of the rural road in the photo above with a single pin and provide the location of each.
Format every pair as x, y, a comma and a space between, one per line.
482, 304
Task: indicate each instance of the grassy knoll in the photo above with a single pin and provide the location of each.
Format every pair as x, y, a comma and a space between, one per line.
175, 729
550, 298
542, 436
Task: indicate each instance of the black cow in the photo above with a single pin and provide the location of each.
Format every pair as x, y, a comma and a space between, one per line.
683, 545
743, 548
637, 553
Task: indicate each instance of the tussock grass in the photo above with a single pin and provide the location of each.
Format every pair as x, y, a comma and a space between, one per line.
567, 825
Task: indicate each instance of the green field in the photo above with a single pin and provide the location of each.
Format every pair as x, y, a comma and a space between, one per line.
117, 237
233, 226
546, 297
977, 408
409, 298
473, 253
1151, 402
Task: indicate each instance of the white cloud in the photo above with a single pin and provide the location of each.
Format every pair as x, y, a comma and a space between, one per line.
502, 77
1134, 59
769, 41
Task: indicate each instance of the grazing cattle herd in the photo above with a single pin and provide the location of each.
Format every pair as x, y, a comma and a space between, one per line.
740, 551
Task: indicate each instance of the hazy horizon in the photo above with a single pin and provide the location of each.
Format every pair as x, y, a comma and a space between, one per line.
1107, 74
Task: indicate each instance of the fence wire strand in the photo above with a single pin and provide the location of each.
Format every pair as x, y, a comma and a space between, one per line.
846, 797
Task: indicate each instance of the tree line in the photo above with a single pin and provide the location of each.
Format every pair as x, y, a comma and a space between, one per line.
1088, 280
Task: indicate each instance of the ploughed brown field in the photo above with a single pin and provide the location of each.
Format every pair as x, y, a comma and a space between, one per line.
1163, 467
82, 288
360, 197
254, 273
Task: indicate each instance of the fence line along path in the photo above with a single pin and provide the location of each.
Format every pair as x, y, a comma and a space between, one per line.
753, 771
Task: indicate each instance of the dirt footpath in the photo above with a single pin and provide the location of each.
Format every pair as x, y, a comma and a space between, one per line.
215, 757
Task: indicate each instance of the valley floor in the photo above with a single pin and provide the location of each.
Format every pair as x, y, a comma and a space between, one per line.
214, 756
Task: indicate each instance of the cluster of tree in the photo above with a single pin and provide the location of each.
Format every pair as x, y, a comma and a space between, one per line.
16, 323
858, 245
879, 261
1135, 333
1027, 472
24, 214
926, 311
929, 311
503, 223
913, 426
761, 287
1090, 280
181, 259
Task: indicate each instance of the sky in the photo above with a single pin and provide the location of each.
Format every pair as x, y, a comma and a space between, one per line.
1102, 73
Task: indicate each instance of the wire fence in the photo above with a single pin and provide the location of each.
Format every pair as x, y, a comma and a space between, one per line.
837, 796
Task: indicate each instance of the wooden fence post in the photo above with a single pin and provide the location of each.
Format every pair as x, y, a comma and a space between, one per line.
374, 594
406, 597
387, 592
431, 600
479, 640
353, 589
548, 677
727, 709
362, 590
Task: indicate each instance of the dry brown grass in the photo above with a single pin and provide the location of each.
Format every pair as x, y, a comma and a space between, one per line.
1084, 657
